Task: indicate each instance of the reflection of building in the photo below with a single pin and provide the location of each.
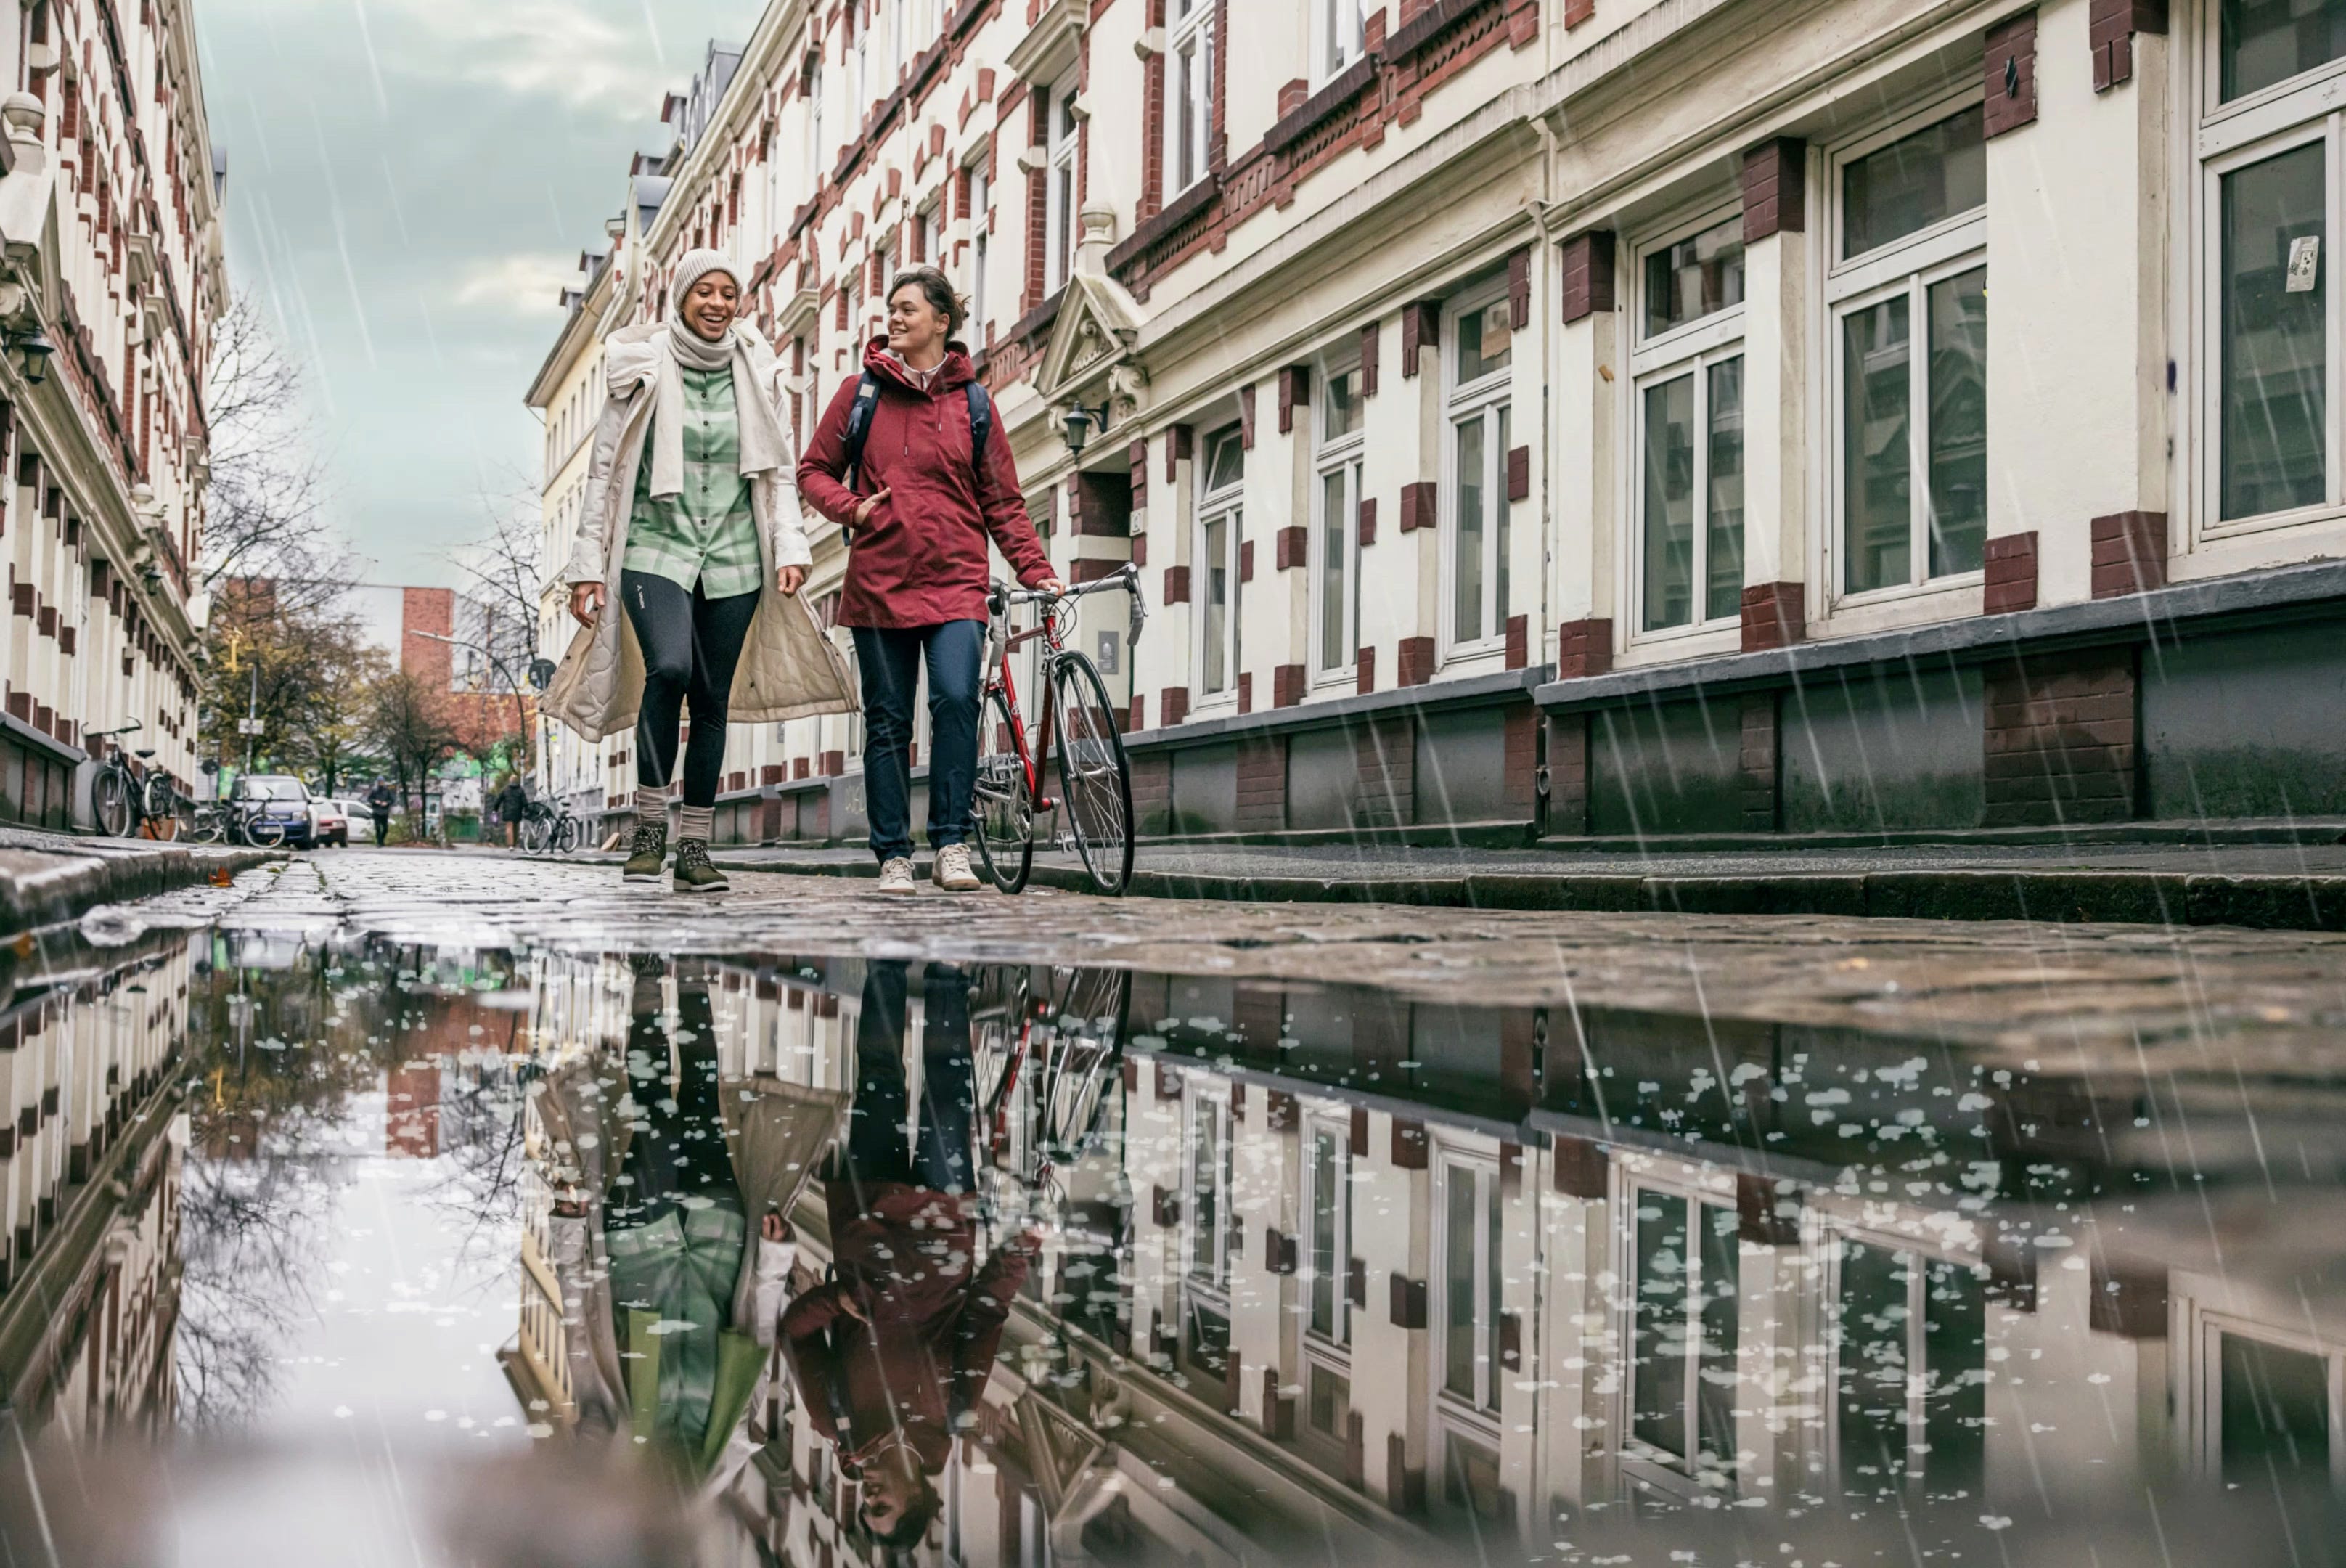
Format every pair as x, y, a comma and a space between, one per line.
90, 1148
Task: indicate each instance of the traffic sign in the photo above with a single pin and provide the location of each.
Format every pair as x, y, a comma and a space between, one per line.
249, 727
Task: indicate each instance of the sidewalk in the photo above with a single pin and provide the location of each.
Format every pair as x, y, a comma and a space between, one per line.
46, 878
2278, 887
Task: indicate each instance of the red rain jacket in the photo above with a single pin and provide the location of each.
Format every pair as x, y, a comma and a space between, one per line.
920, 560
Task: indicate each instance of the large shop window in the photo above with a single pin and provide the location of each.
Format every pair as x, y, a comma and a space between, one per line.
2271, 140
1189, 82
1059, 235
1336, 550
1689, 365
1220, 520
1474, 491
1908, 292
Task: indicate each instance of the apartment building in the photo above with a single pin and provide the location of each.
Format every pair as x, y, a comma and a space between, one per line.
1528, 426
113, 273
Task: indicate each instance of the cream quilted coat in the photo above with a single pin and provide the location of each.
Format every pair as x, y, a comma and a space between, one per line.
790, 667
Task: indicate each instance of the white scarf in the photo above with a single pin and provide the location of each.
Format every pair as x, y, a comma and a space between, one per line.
763, 448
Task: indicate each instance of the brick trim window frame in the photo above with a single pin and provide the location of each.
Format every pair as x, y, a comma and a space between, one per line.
1469, 1409
1684, 427
1191, 51
1880, 288
1473, 511
1327, 1162
1336, 426
1217, 539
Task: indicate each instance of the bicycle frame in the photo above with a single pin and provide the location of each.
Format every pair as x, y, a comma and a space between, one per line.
1036, 760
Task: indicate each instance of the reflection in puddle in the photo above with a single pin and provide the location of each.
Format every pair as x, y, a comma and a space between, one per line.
812, 1260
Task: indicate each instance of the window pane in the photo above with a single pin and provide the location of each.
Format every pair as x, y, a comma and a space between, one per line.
1335, 529
1955, 1370
2276, 1411
1658, 1355
1669, 503
1912, 183
1699, 276
1723, 514
1186, 99
1720, 1322
1342, 416
1468, 560
1491, 1293
1205, 1195
1958, 422
1217, 604
1505, 514
1225, 460
2275, 455
1325, 1264
1872, 1321
1331, 1401
1471, 1479
1458, 1284
1878, 464
2268, 41
1485, 341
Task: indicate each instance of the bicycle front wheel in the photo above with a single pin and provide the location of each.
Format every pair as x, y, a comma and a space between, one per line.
264, 832
1095, 774
162, 806
536, 835
109, 802
1000, 802
565, 835
200, 824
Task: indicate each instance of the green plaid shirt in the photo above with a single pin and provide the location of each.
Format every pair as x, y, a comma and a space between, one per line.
708, 535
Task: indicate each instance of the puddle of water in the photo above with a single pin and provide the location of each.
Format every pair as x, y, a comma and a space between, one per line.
337, 1251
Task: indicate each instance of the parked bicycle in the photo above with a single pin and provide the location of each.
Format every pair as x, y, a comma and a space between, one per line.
548, 829
1094, 776
122, 800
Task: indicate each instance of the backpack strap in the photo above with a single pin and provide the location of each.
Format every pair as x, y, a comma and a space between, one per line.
859, 427
980, 427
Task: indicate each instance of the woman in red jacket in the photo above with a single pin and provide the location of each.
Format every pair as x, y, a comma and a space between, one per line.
920, 512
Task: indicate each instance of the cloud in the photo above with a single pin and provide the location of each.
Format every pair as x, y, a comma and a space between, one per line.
517, 283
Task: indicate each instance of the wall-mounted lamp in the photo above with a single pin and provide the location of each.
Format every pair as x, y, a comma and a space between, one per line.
33, 353
1080, 421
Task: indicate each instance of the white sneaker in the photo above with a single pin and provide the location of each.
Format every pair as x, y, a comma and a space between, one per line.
952, 870
896, 876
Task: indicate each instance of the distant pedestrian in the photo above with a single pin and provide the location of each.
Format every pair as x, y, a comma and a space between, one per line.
925, 500
690, 506
378, 800
513, 805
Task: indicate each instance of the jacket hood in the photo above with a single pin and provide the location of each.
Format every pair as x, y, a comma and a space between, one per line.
957, 371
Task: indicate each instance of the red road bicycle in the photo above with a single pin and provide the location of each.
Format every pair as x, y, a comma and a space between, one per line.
1094, 777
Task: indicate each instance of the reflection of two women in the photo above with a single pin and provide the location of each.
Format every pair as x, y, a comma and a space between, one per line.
667, 1234
892, 1351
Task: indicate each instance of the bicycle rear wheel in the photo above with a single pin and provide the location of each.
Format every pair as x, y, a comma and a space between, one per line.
1002, 804
264, 832
1095, 774
566, 834
537, 834
162, 806
109, 802
200, 822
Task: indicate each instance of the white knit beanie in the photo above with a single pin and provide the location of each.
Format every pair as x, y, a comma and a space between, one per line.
697, 265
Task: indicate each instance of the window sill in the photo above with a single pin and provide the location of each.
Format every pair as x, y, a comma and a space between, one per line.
1670, 644
1891, 610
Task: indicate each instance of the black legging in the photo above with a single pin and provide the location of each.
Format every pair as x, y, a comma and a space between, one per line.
691, 644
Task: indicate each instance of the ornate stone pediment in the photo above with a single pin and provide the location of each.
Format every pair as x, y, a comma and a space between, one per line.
1091, 354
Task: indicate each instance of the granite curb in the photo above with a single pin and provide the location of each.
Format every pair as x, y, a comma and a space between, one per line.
51, 884
2055, 896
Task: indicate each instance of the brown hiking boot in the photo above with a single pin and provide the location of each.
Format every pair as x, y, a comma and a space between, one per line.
694, 874
650, 855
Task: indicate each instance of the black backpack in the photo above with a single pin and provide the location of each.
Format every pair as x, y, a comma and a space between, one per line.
859, 430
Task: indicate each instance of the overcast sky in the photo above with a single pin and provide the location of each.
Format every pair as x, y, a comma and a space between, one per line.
409, 182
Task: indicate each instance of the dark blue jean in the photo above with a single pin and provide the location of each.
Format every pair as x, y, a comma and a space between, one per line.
877, 1150
890, 659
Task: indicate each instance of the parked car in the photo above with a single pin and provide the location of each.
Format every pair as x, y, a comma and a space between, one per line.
330, 823
283, 799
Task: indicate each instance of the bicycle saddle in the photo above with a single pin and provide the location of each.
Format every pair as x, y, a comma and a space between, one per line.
143, 756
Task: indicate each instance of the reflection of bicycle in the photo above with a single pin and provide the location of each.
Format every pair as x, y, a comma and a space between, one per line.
1043, 1068
1094, 773
550, 829
122, 801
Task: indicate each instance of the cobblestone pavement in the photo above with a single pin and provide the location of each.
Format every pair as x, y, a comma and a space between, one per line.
2279, 998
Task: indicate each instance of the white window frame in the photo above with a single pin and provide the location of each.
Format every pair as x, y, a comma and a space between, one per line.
2204, 1329
1062, 141
1346, 455
1480, 1412
2224, 138
1692, 348
818, 169
900, 36
1336, 1344
1681, 1475
1192, 33
1908, 265
860, 80
930, 228
1207, 1113
1226, 505
1339, 38
1917, 1452
1489, 398
981, 203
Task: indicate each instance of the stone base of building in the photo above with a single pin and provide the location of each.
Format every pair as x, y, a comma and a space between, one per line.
38, 777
